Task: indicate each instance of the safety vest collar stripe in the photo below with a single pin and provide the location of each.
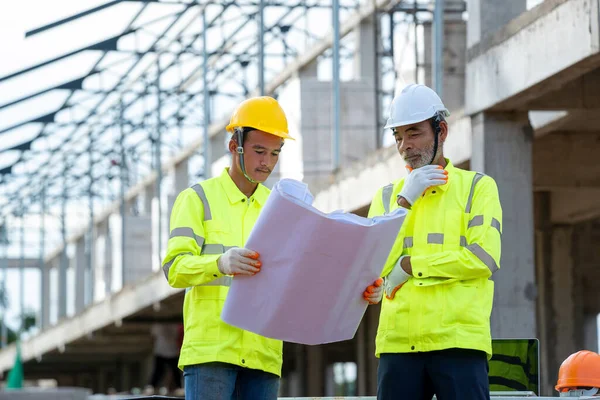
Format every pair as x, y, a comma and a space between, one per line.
408, 242
200, 192
167, 266
475, 221
222, 281
386, 197
435, 238
476, 179
187, 232
215, 248
496, 224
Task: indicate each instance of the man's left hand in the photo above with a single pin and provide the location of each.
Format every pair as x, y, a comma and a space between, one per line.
398, 277
374, 293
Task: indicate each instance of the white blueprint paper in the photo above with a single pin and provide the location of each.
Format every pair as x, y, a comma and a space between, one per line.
315, 267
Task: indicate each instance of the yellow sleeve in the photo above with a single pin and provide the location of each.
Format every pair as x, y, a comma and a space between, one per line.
377, 208
184, 264
479, 255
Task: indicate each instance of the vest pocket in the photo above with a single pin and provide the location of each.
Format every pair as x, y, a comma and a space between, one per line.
466, 303
206, 321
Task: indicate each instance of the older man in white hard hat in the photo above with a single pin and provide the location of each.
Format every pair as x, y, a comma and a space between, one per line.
434, 327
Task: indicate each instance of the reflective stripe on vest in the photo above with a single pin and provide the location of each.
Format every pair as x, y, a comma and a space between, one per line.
167, 266
480, 253
476, 179
187, 232
200, 192
435, 238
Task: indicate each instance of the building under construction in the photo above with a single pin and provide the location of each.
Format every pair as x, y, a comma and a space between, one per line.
92, 158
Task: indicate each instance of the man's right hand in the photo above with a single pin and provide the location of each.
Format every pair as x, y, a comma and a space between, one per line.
239, 261
418, 180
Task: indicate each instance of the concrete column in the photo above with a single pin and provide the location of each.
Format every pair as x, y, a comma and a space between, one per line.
502, 149
298, 385
365, 57
563, 281
361, 359
46, 293
545, 314
80, 264
181, 177
586, 260
108, 260
372, 362
148, 196
487, 16
455, 56
590, 332
315, 383
62, 284
138, 249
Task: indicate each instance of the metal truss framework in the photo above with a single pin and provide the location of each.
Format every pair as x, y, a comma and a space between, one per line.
159, 84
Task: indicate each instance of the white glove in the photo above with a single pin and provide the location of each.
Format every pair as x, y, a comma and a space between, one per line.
395, 279
239, 261
418, 180
374, 292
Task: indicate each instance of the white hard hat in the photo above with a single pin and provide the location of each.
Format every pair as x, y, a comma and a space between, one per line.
414, 104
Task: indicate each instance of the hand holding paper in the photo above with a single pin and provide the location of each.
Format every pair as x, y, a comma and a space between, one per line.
374, 293
239, 261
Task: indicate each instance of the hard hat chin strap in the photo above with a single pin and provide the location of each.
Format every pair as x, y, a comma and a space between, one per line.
239, 132
435, 124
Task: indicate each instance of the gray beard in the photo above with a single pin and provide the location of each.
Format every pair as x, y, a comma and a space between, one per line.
424, 158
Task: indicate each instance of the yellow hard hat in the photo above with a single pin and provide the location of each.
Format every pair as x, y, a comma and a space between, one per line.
262, 113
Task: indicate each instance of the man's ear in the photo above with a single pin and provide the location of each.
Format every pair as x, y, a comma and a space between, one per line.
443, 131
232, 146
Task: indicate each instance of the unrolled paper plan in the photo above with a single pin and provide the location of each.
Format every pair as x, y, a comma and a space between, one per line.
315, 267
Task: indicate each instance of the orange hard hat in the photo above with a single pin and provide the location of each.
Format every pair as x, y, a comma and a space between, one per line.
579, 370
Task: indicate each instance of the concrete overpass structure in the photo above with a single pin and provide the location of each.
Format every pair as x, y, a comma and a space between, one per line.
527, 117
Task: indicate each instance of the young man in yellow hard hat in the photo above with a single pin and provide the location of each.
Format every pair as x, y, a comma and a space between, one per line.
210, 223
434, 329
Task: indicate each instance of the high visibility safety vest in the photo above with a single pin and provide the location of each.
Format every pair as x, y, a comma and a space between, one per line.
208, 219
453, 235
514, 366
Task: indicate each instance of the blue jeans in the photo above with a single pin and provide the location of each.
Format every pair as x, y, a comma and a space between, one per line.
452, 374
221, 381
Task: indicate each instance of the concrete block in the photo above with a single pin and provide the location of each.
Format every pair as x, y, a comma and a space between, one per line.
560, 40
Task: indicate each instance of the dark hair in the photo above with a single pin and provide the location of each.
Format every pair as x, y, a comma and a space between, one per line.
435, 122
244, 130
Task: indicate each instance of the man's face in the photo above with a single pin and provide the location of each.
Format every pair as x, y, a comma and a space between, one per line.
415, 143
261, 153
